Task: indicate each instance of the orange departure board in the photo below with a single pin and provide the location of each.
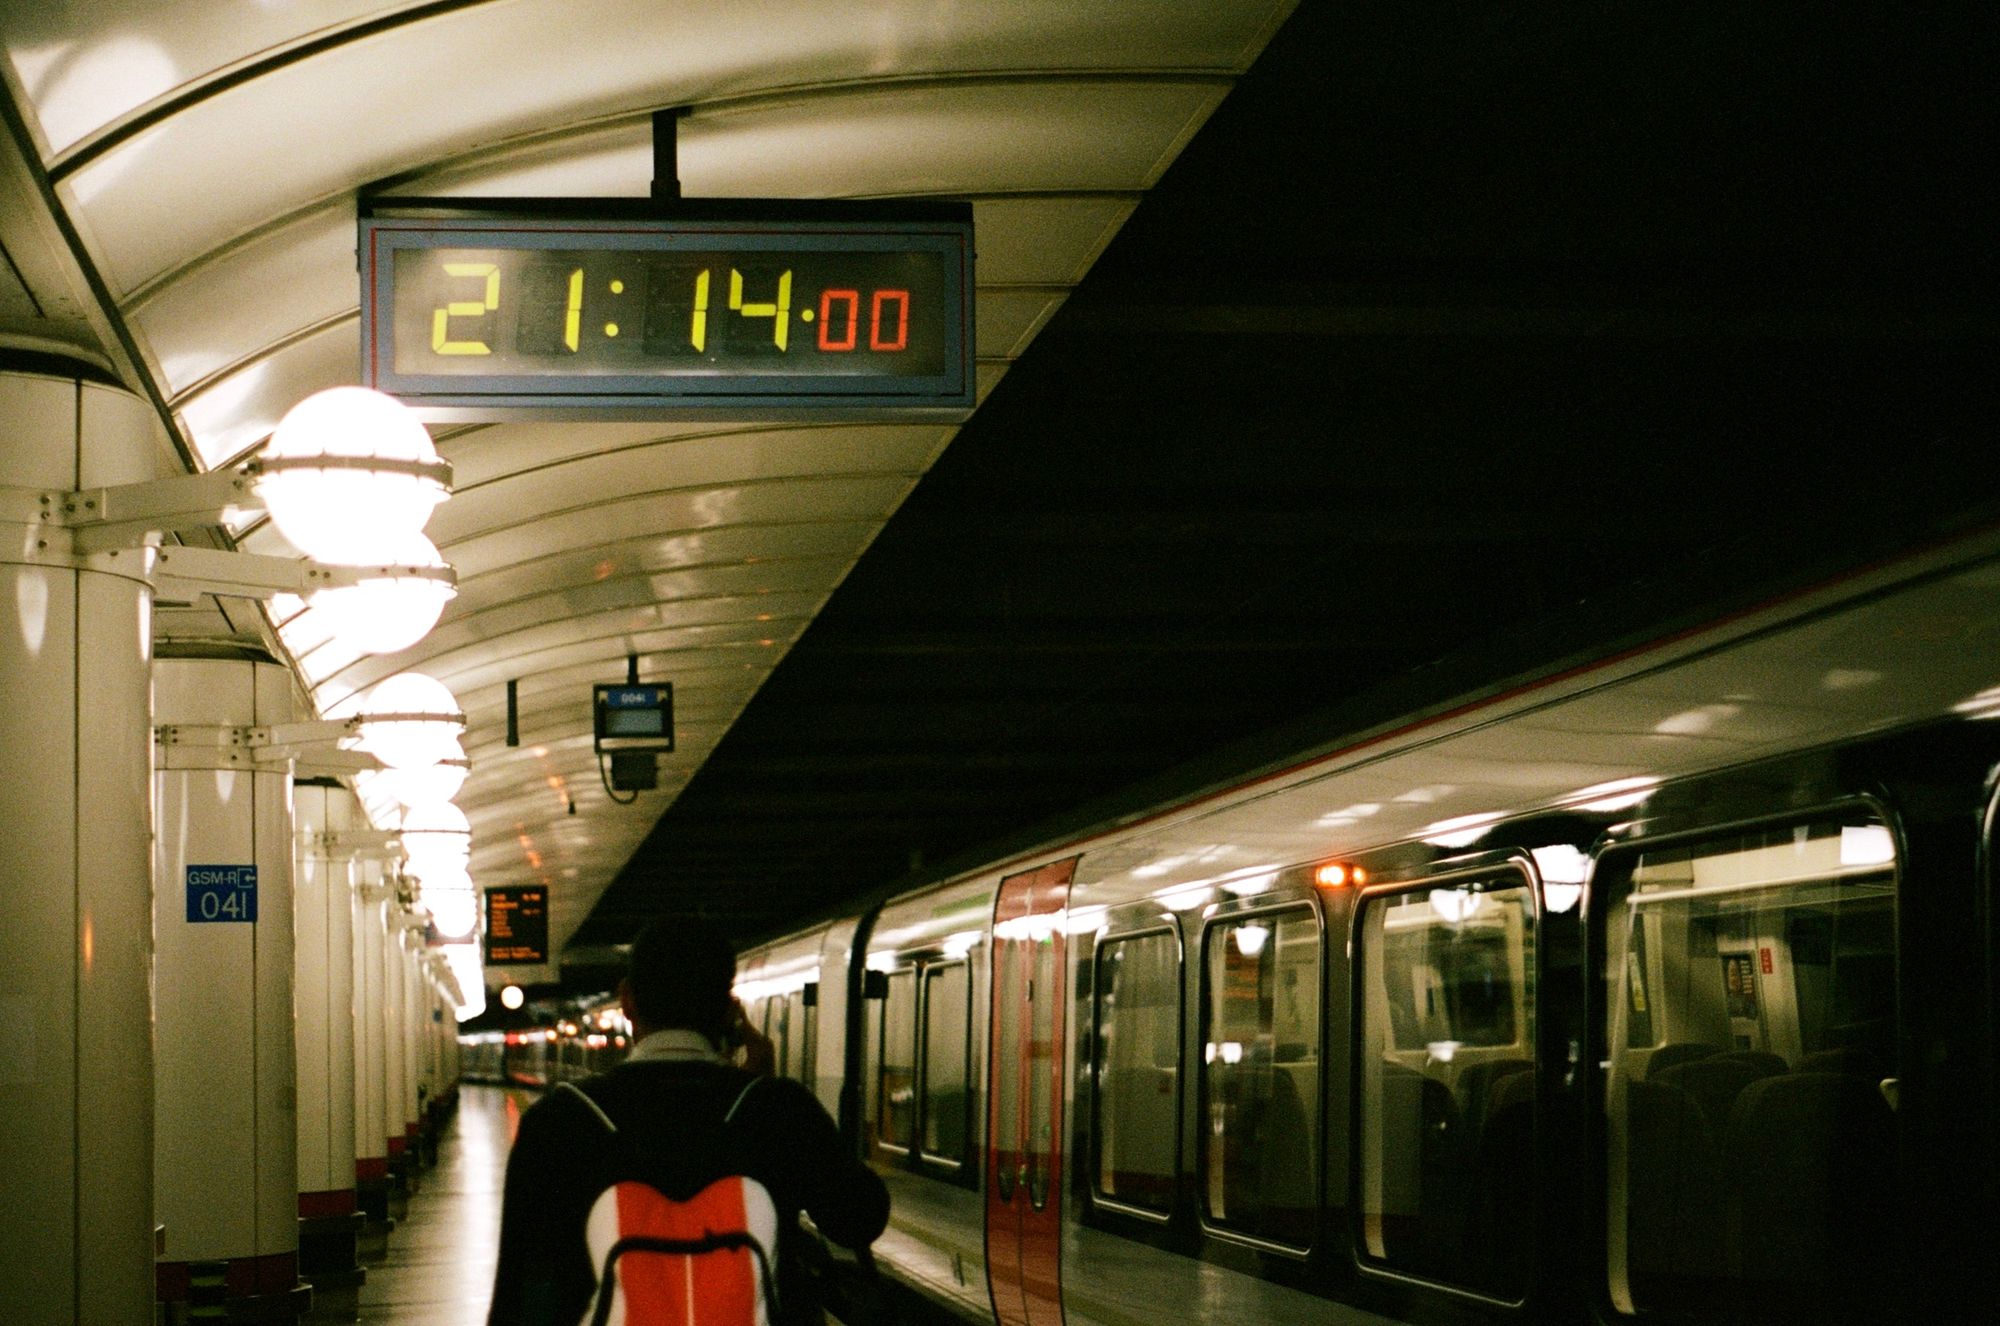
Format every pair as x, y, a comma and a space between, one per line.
517, 925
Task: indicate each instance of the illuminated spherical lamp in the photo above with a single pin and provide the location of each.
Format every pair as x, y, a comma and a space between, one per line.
436, 838
395, 605
443, 876
411, 721
347, 469
466, 969
424, 784
455, 912
511, 997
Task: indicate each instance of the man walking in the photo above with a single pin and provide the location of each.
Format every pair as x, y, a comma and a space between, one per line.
676, 1114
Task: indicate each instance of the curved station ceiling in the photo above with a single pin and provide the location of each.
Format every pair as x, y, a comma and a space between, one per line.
178, 205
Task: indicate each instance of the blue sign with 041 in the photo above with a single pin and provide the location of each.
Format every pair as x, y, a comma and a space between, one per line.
221, 893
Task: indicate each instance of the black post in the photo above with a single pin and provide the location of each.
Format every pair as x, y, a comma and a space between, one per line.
666, 157
513, 713
631, 669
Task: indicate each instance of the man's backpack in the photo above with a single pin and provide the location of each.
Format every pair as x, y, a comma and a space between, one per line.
702, 1260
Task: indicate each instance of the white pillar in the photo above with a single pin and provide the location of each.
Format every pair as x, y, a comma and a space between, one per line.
413, 1033
324, 906
395, 1059
371, 1053
76, 1055
226, 1125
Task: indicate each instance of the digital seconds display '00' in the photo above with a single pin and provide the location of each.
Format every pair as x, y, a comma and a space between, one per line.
711, 310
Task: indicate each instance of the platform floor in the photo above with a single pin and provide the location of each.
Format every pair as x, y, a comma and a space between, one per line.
439, 1271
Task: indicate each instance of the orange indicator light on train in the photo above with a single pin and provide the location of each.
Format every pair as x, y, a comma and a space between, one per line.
1331, 876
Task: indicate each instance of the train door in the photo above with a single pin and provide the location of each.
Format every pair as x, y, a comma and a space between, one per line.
1024, 1115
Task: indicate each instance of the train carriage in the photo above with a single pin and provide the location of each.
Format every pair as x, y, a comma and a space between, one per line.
1659, 988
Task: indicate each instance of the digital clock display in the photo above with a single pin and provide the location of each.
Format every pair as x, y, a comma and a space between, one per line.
496, 316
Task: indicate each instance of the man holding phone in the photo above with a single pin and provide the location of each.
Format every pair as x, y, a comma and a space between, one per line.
679, 1106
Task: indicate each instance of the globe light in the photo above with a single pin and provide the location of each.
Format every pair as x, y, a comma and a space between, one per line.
436, 838
347, 470
463, 959
455, 912
422, 785
391, 609
444, 877
511, 998
411, 721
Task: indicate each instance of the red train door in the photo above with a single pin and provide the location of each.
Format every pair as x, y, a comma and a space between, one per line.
1024, 1127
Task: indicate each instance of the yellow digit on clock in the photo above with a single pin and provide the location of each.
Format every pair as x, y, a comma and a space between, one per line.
779, 311
441, 317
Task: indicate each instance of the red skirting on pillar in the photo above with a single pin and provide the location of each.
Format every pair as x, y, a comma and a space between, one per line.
320, 1205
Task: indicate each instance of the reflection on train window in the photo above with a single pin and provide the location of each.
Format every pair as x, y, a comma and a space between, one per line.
1750, 1100
898, 1084
1005, 1128
1045, 996
1138, 1069
947, 1006
1260, 1076
871, 1068
1447, 1131
805, 1026
777, 1026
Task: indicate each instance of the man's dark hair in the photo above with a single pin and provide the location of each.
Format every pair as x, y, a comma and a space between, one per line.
681, 970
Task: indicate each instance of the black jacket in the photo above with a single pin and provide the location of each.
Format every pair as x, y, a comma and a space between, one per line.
667, 1113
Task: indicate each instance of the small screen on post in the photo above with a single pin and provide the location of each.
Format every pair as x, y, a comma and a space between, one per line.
634, 723
634, 717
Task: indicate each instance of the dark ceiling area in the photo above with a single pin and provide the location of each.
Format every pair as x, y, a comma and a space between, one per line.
1461, 342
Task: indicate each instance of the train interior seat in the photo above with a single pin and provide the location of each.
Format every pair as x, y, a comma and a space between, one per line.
1421, 1168
1673, 1195
1476, 1084
1811, 1157
1715, 1082
1678, 1052
1285, 1146
1500, 1205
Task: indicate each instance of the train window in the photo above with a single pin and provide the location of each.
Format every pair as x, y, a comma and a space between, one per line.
947, 1050
1447, 1098
1260, 1076
1138, 1069
1750, 1127
899, 1061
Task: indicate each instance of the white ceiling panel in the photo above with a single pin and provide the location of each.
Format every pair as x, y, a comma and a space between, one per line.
748, 644
526, 617
627, 516
248, 298
735, 550
1044, 240
239, 410
924, 139
85, 65
1009, 319
692, 463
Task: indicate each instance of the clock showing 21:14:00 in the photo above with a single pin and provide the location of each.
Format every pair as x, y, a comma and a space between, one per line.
573, 313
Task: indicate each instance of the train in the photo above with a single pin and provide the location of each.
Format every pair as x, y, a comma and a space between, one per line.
1658, 987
